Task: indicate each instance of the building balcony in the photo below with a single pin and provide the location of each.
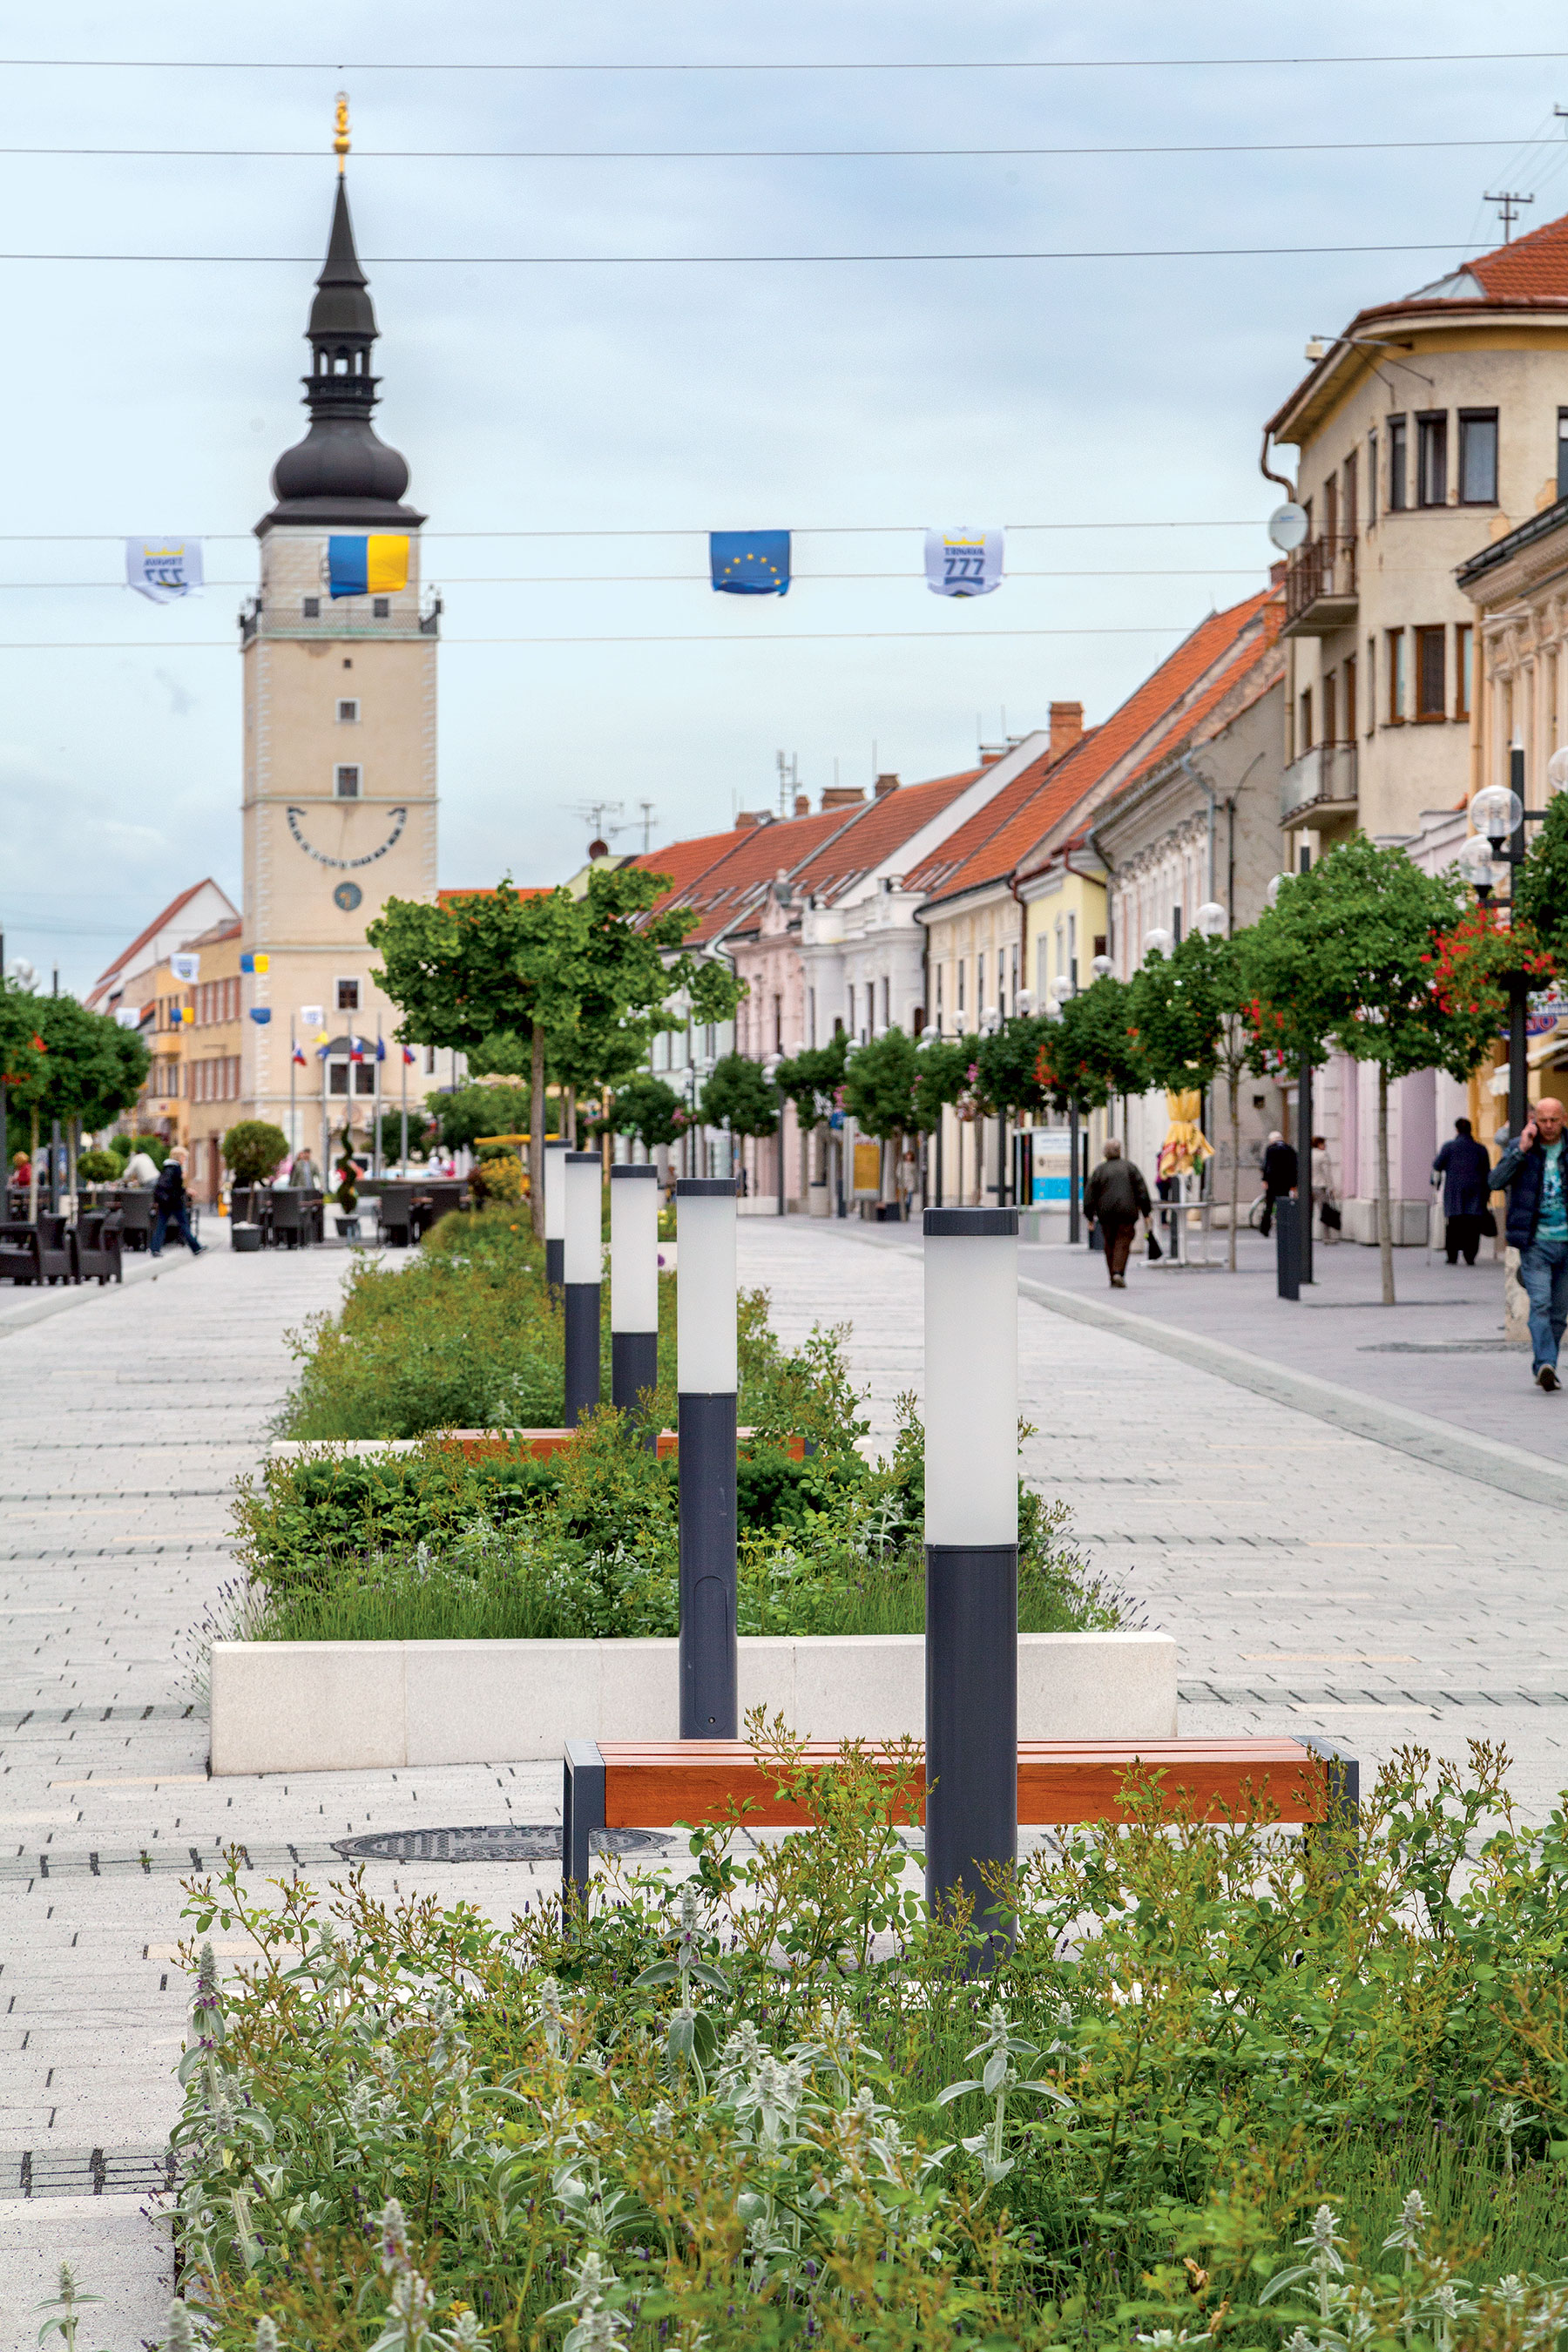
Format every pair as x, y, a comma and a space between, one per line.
1320, 787
1321, 589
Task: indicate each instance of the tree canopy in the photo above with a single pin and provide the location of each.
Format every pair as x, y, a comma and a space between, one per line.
648, 1108
1092, 1050
62, 1061
812, 1079
737, 1096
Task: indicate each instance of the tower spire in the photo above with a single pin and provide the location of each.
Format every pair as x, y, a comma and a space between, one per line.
341, 471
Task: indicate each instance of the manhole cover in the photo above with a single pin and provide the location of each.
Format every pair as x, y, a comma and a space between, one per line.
500, 1842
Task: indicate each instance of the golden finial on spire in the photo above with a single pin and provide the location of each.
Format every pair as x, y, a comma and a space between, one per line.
341, 137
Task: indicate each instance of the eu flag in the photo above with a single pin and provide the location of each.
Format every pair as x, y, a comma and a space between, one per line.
750, 562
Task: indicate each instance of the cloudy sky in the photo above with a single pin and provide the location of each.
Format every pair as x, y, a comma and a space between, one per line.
574, 426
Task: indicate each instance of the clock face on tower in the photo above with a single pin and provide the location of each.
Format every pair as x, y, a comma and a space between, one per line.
347, 896
296, 826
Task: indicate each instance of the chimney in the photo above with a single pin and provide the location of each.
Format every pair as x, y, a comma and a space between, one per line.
749, 817
802, 805
991, 753
1067, 728
886, 784
843, 796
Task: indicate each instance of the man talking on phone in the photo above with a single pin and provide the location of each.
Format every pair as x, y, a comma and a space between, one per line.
1532, 1172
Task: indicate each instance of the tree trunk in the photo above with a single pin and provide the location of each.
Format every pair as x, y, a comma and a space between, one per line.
1235, 1160
32, 1175
536, 1136
569, 1119
1384, 1221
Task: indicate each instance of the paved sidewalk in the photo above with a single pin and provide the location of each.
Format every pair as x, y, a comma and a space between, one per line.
1313, 1577
1439, 1351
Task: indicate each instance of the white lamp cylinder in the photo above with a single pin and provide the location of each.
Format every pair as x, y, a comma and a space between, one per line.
583, 1265
708, 1375
555, 1211
706, 1331
634, 1286
972, 1381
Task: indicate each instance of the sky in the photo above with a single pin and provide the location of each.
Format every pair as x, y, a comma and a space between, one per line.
575, 426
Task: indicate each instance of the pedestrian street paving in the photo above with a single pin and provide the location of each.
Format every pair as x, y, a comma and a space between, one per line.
1313, 1577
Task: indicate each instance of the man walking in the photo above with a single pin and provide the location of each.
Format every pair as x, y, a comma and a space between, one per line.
1530, 1172
1466, 1168
1280, 1178
170, 1206
1114, 1200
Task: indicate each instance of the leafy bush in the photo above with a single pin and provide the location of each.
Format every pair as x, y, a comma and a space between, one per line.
99, 1167
253, 1149
1231, 2084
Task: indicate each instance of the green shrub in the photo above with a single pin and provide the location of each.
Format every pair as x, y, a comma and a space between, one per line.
253, 1149
1231, 2084
99, 1167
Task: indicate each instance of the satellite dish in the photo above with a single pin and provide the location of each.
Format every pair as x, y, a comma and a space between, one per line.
1287, 526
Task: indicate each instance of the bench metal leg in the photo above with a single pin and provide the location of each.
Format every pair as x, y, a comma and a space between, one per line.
582, 1811
1343, 1814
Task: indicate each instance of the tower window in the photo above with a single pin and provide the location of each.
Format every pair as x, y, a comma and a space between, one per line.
313, 608
348, 714
348, 996
382, 607
346, 782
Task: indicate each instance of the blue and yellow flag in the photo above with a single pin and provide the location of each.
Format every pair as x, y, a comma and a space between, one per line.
750, 562
373, 566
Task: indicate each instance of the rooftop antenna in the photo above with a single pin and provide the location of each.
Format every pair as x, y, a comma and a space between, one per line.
1510, 203
341, 133
648, 814
596, 814
789, 782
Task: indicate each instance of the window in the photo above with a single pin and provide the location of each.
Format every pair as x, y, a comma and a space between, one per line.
313, 608
364, 1078
960, 984
1331, 508
337, 1078
778, 1026
382, 607
348, 713
1349, 520
1431, 693
1396, 678
1477, 457
348, 998
1372, 685
1330, 710
811, 1010
852, 1006
1015, 990
1350, 698
1399, 484
1175, 927
1371, 479
886, 1005
1432, 459
1562, 453
345, 783
429, 1061
1464, 654
1304, 736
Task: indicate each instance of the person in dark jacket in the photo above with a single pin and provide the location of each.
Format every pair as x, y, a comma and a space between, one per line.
1279, 1176
1114, 1199
170, 1205
1466, 1168
1533, 1173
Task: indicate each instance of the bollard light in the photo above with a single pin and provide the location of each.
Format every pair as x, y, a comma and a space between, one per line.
583, 1266
707, 1375
971, 1563
555, 1212
634, 1286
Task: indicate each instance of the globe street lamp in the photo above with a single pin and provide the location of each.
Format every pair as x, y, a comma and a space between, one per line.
1212, 919
1158, 941
1499, 816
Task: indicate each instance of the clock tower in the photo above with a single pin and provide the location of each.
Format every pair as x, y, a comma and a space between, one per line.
339, 651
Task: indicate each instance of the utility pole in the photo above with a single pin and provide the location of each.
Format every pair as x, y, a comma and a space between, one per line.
1509, 204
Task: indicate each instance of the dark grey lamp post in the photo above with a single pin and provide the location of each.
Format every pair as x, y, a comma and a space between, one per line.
634, 1285
1499, 816
971, 1563
555, 1212
582, 1260
707, 1376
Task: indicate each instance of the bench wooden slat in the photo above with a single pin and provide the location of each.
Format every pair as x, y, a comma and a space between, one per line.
654, 1784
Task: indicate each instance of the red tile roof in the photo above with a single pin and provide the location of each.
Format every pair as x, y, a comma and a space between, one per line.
1155, 705
988, 847
683, 861
1533, 268
152, 931
734, 882
876, 831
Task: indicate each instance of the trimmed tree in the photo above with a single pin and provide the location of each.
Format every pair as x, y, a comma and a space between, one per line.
738, 1097
812, 1080
1193, 1011
1540, 884
649, 1109
882, 1093
1349, 956
1091, 1050
253, 1149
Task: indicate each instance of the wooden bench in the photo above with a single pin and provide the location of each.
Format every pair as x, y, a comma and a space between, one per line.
654, 1784
479, 1444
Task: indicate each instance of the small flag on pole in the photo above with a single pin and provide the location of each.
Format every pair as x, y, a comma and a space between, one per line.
163, 570
299, 1055
185, 967
376, 565
381, 1049
356, 1049
324, 1046
750, 562
408, 1053
963, 563
262, 1014
251, 962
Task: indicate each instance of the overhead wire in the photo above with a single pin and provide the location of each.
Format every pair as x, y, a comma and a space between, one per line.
786, 154
774, 64
753, 260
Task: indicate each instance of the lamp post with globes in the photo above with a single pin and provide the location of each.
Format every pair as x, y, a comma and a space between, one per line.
1057, 993
1499, 816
